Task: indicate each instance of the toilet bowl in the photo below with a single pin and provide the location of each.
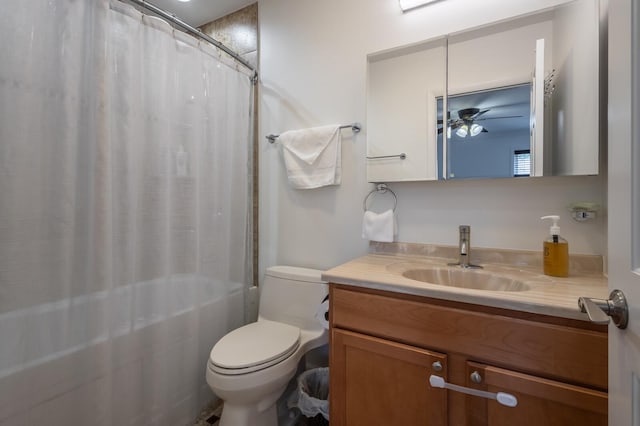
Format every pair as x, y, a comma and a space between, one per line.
250, 367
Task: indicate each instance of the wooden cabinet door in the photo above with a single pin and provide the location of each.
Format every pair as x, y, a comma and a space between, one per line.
378, 382
540, 401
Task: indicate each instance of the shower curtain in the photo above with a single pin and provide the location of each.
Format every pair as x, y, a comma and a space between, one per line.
124, 214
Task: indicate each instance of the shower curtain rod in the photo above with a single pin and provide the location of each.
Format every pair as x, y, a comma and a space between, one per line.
174, 19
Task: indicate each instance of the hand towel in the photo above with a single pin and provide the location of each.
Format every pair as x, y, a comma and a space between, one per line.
379, 226
312, 156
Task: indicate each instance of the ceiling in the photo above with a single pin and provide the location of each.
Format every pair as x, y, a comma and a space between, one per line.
200, 12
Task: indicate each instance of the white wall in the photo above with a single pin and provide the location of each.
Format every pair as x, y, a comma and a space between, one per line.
313, 72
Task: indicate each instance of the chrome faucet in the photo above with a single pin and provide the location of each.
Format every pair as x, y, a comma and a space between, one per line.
464, 249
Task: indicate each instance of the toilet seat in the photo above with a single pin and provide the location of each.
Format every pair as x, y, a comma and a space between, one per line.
254, 347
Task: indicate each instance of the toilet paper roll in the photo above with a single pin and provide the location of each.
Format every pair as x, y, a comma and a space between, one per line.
322, 314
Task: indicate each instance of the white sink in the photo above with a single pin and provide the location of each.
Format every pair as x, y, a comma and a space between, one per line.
465, 278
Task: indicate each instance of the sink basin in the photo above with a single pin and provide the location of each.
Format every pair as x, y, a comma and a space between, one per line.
465, 278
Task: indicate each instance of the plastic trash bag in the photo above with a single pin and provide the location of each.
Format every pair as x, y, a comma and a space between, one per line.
312, 394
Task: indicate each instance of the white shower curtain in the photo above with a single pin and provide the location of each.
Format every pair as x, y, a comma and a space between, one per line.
124, 214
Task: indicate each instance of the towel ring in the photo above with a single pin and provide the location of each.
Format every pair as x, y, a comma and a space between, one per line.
381, 188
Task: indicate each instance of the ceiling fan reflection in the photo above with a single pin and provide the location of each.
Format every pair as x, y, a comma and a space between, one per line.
465, 125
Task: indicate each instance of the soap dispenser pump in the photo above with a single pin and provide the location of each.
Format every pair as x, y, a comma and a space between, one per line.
555, 251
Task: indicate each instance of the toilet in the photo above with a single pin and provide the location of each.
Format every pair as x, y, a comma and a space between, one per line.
250, 367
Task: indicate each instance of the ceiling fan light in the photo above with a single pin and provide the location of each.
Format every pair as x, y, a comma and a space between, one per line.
407, 5
475, 130
462, 131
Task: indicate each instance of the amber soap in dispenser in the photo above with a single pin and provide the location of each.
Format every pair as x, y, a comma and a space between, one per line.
555, 251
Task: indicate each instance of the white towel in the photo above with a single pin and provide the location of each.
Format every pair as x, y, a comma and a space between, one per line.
379, 226
312, 157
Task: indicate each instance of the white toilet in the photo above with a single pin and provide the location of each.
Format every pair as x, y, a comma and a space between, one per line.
250, 367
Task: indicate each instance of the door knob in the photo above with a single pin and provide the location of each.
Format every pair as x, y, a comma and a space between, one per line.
599, 310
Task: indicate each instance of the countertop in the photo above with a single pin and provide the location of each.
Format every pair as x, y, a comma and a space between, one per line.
545, 295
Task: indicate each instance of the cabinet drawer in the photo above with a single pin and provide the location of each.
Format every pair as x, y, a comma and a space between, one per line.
554, 351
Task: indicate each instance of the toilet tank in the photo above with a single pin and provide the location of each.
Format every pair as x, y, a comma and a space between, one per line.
292, 295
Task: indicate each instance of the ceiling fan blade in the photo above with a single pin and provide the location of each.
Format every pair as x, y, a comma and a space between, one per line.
455, 124
484, 130
500, 118
479, 113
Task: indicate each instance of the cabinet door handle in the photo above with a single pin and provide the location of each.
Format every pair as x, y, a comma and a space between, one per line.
476, 377
503, 398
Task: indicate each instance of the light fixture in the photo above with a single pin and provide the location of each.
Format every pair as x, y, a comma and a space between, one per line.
462, 131
407, 5
466, 130
475, 129
183, 1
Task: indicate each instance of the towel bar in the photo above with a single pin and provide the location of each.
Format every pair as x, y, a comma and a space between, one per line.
355, 127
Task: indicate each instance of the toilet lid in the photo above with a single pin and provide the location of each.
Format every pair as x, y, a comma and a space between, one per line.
255, 346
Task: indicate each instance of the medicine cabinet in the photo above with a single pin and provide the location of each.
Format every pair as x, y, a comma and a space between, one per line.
521, 98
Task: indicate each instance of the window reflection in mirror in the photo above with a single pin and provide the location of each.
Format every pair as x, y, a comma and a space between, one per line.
488, 133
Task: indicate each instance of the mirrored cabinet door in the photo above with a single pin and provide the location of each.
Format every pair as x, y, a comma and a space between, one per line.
403, 88
493, 126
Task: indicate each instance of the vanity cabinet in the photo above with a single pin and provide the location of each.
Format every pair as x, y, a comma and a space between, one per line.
385, 346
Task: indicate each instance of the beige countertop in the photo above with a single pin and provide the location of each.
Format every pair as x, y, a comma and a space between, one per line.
544, 295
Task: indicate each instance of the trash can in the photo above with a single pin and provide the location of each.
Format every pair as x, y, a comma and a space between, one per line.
312, 396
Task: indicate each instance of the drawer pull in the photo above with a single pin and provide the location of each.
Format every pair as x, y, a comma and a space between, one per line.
476, 377
503, 398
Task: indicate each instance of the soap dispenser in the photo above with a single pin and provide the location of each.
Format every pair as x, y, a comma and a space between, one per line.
555, 251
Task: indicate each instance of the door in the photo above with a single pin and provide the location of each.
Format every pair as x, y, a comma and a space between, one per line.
540, 401
537, 113
380, 382
624, 208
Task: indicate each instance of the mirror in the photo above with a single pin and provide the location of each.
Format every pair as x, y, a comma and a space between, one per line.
488, 134
521, 98
404, 86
